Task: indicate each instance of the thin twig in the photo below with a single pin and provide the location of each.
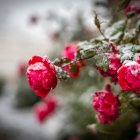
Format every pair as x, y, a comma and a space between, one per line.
73, 61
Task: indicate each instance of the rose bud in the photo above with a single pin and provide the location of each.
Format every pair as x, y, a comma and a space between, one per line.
114, 65
43, 110
41, 75
129, 76
106, 104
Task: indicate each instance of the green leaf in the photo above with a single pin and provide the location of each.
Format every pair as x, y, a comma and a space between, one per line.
119, 28
102, 61
78, 54
96, 41
61, 73
136, 48
116, 31
89, 54
66, 60
131, 14
61, 61
73, 67
136, 102
126, 52
128, 37
86, 50
90, 49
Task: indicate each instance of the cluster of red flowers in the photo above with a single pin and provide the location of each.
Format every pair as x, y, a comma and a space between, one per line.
42, 77
41, 72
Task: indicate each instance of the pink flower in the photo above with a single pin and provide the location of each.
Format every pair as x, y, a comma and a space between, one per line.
43, 110
106, 104
129, 76
41, 75
114, 65
69, 52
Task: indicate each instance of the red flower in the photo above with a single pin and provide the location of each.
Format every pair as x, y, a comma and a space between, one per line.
106, 104
114, 65
129, 76
69, 52
41, 75
44, 109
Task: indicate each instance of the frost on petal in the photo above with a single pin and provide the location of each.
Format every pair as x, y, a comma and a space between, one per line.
106, 104
41, 75
129, 76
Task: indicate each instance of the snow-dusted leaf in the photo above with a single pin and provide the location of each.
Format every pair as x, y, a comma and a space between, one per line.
116, 30
136, 48
86, 50
128, 51
61, 73
102, 61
